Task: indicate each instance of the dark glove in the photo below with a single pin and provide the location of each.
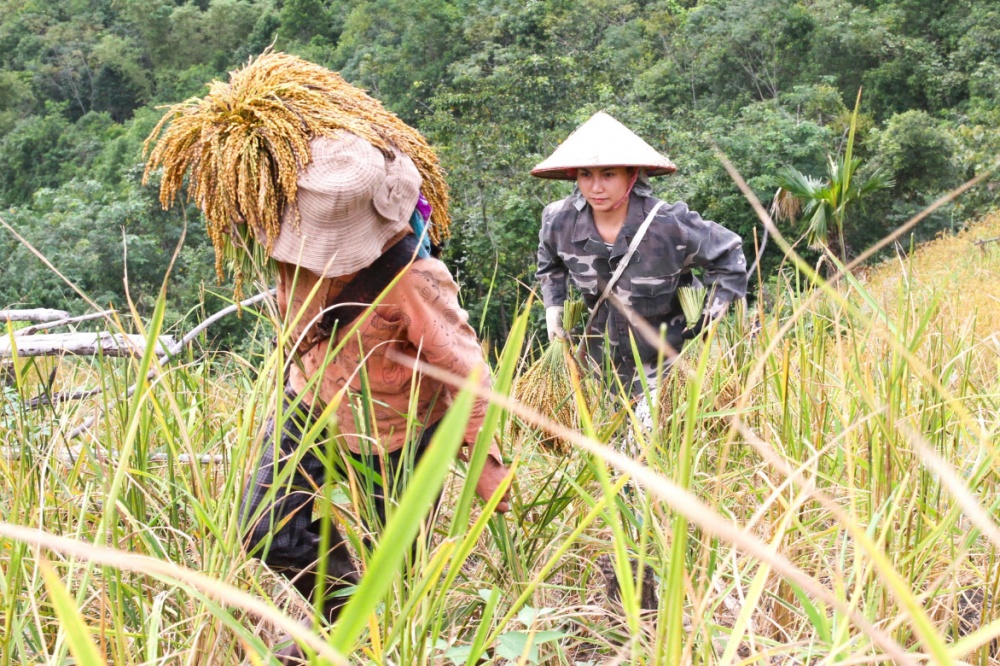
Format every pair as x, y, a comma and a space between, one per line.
695, 330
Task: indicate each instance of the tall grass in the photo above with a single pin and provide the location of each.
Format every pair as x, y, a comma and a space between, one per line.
819, 487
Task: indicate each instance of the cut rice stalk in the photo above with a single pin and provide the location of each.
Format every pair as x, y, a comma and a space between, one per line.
573, 314
692, 303
547, 387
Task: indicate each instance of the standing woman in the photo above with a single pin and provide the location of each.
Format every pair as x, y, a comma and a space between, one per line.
613, 231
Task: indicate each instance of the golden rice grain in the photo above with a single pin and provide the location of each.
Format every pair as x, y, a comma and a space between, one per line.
547, 387
244, 143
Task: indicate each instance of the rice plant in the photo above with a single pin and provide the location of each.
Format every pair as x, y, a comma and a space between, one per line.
820, 487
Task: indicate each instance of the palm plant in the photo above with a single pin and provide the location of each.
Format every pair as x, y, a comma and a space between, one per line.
823, 203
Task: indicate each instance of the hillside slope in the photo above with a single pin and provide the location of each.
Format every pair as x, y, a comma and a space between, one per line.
963, 268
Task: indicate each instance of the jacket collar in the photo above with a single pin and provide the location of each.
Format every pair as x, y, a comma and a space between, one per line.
585, 231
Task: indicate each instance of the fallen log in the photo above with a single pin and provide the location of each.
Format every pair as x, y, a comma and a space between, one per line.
168, 349
31, 330
71, 454
38, 314
81, 344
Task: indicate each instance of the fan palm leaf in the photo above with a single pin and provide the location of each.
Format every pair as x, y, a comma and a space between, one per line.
824, 203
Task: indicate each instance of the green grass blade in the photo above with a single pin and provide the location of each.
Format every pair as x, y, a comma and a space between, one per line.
70, 621
486, 620
418, 498
504, 379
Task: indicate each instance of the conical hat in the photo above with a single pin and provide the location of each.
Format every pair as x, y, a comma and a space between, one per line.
602, 141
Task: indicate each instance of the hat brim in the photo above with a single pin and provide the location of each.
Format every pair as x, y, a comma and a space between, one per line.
564, 173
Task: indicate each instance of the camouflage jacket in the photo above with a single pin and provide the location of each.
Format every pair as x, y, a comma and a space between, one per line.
677, 241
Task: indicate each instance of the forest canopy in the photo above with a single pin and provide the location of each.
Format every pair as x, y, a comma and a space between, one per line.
494, 86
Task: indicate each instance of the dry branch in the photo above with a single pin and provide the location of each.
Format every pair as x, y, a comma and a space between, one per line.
38, 314
56, 398
66, 321
71, 454
171, 352
79, 344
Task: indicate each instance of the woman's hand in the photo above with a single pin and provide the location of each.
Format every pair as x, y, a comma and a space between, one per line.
553, 322
493, 474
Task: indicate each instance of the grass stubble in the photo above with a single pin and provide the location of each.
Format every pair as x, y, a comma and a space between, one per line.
820, 487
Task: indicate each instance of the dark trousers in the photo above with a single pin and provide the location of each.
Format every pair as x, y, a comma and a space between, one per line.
277, 508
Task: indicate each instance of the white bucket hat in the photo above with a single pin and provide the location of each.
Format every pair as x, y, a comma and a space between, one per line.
351, 201
602, 141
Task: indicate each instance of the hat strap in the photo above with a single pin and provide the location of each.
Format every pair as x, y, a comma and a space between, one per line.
631, 184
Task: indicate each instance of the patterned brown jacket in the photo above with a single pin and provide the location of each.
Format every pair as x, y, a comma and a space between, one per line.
419, 317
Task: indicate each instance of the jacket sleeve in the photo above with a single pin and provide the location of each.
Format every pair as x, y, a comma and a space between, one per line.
551, 272
719, 252
439, 328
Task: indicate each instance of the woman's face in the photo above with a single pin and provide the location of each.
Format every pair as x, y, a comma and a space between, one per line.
603, 187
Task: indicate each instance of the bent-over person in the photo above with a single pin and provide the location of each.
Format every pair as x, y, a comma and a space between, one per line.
355, 230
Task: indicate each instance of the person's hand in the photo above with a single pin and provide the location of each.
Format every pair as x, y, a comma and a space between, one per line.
694, 330
493, 473
553, 322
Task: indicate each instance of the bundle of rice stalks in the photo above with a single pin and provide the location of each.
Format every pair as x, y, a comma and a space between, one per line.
721, 387
573, 314
692, 302
547, 385
246, 140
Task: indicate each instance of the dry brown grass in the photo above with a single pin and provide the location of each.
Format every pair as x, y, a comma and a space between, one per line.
957, 266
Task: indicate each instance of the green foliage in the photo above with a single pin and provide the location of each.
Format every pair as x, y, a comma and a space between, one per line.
763, 139
85, 229
31, 156
176, 36
732, 53
302, 20
919, 152
102, 238
16, 98
825, 203
399, 50
915, 148
496, 86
